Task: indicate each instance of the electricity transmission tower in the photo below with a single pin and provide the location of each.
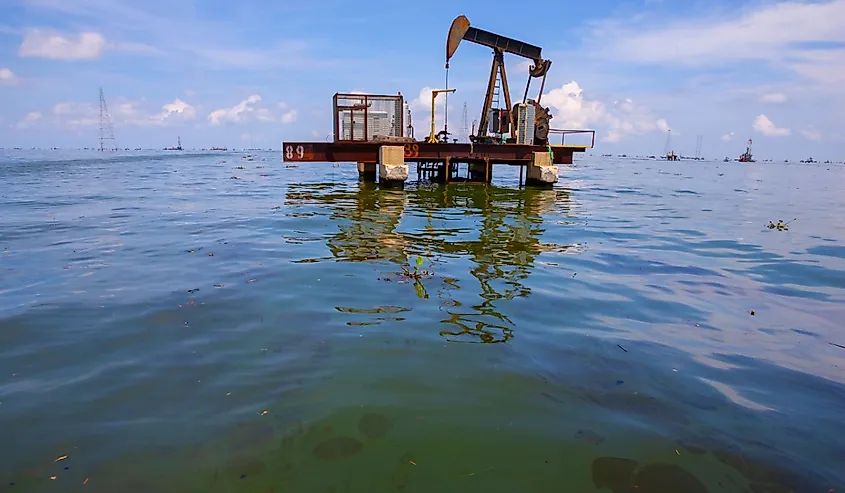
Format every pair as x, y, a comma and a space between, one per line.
106, 130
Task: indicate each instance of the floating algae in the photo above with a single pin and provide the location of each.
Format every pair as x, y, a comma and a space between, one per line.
244, 466
613, 473
248, 435
374, 425
337, 448
667, 478
617, 475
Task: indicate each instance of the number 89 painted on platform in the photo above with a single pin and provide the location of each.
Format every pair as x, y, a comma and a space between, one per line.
299, 152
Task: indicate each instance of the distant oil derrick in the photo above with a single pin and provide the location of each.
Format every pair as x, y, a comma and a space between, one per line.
464, 123
106, 130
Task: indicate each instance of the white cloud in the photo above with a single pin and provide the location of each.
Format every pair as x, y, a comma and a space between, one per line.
178, 109
125, 112
774, 97
289, 117
235, 114
812, 134
728, 136
54, 45
264, 115
57, 46
423, 101
776, 33
765, 126
29, 120
571, 109
74, 115
249, 110
7, 76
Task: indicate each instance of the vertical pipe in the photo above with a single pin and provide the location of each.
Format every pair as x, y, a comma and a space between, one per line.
527, 85
542, 85
336, 135
445, 108
366, 114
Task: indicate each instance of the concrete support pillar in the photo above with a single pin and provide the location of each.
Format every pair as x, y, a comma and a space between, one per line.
367, 172
392, 170
541, 172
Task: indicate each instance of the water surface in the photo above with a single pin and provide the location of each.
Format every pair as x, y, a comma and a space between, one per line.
200, 322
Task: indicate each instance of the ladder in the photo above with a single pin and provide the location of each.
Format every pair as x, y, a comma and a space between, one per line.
495, 102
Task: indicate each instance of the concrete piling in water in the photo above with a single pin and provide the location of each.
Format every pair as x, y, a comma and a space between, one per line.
392, 170
541, 172
367, 172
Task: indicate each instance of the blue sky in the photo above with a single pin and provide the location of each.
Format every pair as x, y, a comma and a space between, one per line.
259, 72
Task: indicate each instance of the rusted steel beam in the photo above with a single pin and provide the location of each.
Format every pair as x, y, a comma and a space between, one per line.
363, 152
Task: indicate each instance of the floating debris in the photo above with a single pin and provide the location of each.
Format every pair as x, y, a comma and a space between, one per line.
62, 457
780, 225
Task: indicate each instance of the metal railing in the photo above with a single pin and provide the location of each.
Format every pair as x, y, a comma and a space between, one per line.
563, 133
368, 117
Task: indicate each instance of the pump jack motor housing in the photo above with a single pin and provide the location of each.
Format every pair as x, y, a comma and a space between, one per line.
505, 121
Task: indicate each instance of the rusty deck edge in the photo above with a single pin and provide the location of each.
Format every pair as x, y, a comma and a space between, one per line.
367, 152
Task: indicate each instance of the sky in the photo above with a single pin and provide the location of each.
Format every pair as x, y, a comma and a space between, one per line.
256, 73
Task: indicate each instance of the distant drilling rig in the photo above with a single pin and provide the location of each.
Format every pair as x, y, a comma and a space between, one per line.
106, 130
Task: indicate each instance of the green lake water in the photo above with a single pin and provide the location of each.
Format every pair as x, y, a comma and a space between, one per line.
204, 323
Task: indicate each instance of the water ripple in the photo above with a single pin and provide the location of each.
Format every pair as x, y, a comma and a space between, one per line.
202, 322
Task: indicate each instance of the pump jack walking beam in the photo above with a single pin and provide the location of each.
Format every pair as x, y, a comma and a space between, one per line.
461, 30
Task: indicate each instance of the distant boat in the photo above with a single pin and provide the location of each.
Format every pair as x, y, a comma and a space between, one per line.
219, 149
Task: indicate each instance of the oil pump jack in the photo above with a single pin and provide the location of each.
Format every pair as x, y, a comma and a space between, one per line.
512, 120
